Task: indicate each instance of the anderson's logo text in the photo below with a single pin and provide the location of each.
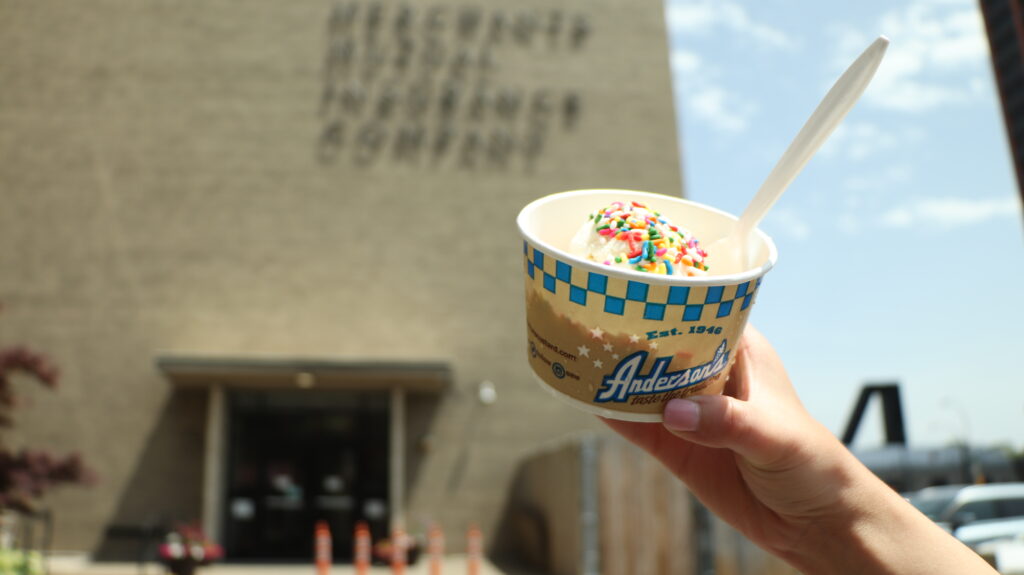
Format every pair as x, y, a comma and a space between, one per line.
627, 381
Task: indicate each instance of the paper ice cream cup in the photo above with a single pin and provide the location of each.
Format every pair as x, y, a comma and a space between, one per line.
620, 343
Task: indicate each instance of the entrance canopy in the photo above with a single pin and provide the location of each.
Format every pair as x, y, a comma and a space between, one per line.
221, 375
271, 373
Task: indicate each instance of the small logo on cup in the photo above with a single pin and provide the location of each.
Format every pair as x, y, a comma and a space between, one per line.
558, 369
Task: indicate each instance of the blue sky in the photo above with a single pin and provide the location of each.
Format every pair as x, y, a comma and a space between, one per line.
901, 252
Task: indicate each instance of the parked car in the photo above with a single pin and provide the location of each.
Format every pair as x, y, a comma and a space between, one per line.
975, 514
991, 530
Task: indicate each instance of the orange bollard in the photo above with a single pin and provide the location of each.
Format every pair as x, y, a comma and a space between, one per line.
398, 552
361, 549
474, 550
435, 548
322, 547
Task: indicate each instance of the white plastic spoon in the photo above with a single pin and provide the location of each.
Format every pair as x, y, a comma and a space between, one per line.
826, 117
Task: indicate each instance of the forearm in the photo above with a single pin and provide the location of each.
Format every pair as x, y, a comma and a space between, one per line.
881, 533
759, 461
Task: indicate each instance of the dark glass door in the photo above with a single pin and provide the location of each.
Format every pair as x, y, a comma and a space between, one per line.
299, 457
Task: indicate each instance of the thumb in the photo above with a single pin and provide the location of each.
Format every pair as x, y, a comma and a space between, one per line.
726, 422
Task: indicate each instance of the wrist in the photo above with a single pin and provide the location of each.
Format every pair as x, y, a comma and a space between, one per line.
879, 532
859, 540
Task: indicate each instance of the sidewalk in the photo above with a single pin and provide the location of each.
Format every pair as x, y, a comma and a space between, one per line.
453, 565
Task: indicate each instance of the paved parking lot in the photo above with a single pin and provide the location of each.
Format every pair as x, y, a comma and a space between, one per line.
453, 565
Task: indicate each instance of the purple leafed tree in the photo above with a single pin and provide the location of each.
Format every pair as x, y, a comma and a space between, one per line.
27, 474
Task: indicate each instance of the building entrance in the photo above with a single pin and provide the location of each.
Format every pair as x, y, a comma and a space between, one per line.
297, 457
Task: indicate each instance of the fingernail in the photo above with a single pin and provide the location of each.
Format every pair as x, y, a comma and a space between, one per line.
681, 415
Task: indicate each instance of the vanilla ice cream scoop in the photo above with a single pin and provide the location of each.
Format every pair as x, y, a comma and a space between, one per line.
632, 236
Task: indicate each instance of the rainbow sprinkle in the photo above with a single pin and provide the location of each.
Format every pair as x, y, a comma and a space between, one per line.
631, 233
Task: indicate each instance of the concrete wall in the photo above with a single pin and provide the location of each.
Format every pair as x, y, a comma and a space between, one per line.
596, 504
189, 178
541, 525
648, 521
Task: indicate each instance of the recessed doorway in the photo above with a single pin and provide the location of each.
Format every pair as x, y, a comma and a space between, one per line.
299, 456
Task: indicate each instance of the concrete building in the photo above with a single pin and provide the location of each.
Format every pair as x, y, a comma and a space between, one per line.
272, 247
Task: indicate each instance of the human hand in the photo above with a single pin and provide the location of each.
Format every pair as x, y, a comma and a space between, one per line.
757, 459
774, 477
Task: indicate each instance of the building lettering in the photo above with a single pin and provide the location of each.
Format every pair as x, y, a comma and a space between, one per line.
420, 85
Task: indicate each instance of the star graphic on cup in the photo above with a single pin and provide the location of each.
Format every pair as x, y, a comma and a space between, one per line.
598, 363
654, 345
634, 338
583, 350
608, 347
597, 332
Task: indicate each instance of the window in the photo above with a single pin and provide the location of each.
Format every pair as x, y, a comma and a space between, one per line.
1011, 507
975, 511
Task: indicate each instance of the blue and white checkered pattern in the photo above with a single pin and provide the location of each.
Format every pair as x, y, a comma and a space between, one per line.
614, 295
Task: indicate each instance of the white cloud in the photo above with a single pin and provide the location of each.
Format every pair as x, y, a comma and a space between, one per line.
702, 97
856, 141
707, 16
937, 56
719, 108
701, 94
885, 179
685, 62
897, 218
849, 224
951, 212
787, 222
